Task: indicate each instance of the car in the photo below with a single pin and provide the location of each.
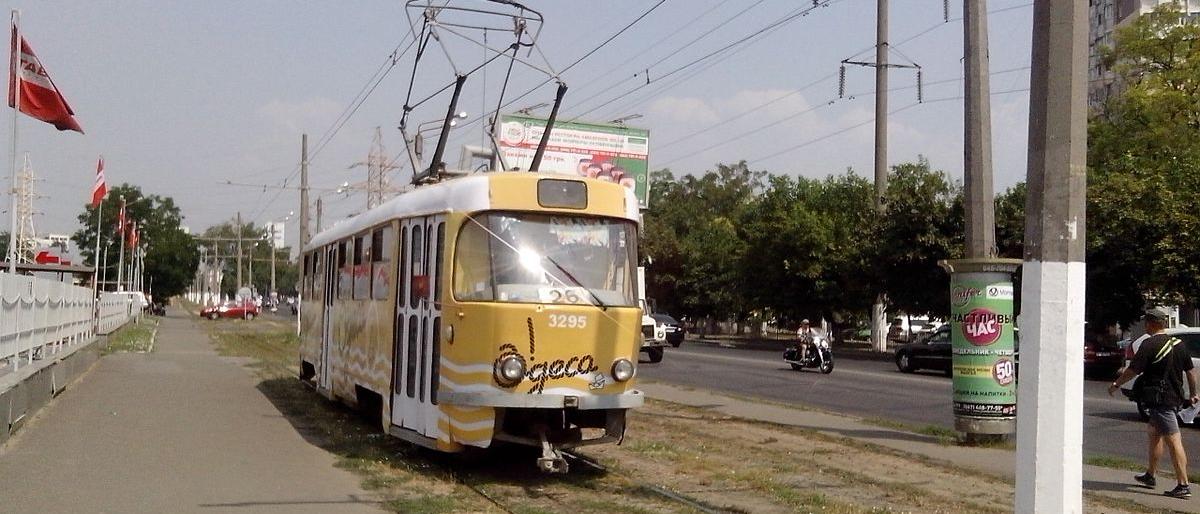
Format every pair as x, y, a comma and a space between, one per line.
932, 351
137, 298
671, 327
1102, 357
905, 329
246, 310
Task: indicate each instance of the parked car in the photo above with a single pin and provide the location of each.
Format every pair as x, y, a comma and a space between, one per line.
246, 309
932, 351
905, 329
671, 327
1102, 357
1190, 336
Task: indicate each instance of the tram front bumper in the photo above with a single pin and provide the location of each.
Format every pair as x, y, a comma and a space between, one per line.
629, 400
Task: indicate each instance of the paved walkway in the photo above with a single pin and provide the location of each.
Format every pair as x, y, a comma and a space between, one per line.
177, 430
995, 462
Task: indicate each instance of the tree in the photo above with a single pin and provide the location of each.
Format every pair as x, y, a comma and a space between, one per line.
1010, 222
923, 224
171, 254
1144, 171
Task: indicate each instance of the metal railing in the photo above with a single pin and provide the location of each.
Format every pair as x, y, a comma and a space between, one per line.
40, 318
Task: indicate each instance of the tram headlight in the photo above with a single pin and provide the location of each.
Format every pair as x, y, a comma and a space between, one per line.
622, 370
510, 370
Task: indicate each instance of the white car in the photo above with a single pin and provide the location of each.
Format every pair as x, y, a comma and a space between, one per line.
137, 297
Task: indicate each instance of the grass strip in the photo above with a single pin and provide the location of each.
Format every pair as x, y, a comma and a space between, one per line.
133, 337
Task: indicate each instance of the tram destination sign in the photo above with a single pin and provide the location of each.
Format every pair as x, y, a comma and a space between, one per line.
615, 153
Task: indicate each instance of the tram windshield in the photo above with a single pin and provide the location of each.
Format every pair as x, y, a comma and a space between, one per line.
538, 258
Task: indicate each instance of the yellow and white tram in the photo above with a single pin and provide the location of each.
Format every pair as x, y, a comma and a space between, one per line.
494, 307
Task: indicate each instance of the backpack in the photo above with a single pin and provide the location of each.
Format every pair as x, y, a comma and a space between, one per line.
1157, 392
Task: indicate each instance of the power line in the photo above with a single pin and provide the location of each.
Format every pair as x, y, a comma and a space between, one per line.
781, 21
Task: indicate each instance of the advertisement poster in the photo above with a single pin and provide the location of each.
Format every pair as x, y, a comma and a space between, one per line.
615, 153
985, 369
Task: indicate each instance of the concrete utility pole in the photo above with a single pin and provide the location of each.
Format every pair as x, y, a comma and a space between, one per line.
980, 205
272, 291
1050, 427
878, 316
239, 251
318, 225
304, 234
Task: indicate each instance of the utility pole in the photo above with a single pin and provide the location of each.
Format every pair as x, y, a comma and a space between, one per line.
1050, 428
271, 293
304, 233
318, 225
239, 251
878, 316
977, 181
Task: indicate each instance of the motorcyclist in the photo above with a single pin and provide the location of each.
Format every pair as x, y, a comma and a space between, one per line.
805, 337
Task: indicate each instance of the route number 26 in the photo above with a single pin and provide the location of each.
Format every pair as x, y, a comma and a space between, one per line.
567, 321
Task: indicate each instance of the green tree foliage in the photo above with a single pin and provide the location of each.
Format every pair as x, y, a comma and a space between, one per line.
923, 224
1144, 171
1010, 222
171, 254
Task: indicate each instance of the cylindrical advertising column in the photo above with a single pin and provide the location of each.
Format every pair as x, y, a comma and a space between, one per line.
983, 341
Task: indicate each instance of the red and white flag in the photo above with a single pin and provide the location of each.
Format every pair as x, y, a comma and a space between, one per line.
40, 98
99, 189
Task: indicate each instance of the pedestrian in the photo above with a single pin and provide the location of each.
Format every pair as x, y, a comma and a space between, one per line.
1163, 361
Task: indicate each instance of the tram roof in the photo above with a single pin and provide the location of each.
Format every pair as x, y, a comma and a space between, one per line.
466, 194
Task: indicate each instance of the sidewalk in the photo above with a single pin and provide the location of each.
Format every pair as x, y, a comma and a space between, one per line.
177, 430
996, 462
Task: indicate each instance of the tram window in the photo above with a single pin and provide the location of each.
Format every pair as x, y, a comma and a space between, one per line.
418, 280
410, 362
402, 277
360, 270
398, 358
441, 244
424, 359
343, 277
381, 271
472, 263
437, 357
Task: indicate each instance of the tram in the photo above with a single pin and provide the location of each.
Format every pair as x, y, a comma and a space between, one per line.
491, 307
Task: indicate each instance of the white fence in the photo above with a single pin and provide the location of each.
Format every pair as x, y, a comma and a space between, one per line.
115, 311
40, 317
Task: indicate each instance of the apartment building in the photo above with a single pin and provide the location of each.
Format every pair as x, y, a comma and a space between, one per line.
1105, 17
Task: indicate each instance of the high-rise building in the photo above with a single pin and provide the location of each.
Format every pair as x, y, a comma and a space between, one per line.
1105, 17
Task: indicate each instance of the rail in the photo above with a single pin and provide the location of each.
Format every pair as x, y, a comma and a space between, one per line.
40, 318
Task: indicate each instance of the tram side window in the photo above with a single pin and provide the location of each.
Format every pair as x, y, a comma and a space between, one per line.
361, 270
381, 271
419, 282
317, 286
344, 283
472, 263
441, 245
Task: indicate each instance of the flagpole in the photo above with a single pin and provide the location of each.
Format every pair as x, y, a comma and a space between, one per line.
96, 256
14, 68
121, 246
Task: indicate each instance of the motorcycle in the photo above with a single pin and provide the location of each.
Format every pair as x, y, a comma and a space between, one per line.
819, 355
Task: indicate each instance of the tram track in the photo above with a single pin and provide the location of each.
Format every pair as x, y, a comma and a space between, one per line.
661, 491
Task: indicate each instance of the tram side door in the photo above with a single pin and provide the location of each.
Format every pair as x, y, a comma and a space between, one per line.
324, 379
418, 320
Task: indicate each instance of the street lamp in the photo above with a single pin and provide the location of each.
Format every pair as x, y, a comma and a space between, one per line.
623, 119
272, 293
419, 138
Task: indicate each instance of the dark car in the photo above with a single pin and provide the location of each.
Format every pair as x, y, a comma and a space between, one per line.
932, 352
1102, 358
245, 309
673, 328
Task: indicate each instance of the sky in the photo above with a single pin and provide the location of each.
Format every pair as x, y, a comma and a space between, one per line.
185, 98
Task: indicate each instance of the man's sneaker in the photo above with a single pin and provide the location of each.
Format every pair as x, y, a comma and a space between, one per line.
1180, 491
1146, 479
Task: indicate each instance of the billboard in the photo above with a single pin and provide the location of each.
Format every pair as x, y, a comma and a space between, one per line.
615, 153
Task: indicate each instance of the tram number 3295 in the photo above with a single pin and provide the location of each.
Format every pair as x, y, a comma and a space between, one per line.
568, 321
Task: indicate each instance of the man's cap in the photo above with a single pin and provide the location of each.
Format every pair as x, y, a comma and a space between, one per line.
1157, 314
804, 321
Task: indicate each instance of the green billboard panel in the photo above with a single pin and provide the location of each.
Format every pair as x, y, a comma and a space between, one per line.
982, 338
614, 153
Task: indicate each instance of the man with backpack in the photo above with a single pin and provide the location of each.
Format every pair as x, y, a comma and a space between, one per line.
1162, 361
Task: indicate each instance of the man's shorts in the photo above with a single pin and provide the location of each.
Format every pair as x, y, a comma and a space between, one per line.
1164, 420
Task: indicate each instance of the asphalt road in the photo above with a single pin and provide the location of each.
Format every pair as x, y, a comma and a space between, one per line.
876, 389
